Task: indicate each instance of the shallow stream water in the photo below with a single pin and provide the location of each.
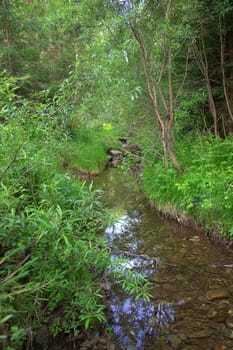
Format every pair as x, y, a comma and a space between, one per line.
192, 281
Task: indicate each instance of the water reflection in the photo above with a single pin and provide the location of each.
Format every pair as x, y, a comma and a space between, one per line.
134, 320
123, 230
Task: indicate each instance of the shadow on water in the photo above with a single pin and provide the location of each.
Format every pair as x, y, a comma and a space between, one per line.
192, 282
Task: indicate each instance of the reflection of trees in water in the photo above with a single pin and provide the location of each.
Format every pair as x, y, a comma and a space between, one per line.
133, 321
124, 229
120, 190
179, 263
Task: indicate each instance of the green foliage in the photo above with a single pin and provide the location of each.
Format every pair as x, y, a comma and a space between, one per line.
49, 244
52, 253
133, 282
187, 113
203, 191
87, 151
38, 39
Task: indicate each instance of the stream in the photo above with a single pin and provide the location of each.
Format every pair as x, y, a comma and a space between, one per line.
191, 305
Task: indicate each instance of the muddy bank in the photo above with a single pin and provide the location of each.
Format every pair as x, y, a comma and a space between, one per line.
170, 213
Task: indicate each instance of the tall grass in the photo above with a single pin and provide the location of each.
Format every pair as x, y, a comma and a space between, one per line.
204, 190
87, 150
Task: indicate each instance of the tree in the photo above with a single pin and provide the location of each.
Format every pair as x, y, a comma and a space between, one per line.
159, 41
39, 39
211, 51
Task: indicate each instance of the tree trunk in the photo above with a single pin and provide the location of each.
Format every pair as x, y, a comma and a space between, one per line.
165, 128
7, 36
171, 109
202, 61
224, 82
212, 104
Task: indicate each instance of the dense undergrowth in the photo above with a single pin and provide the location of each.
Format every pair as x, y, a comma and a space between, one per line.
203, 190
52, 251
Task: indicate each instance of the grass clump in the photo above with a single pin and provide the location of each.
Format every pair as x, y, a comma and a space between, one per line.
87, 149
203, 191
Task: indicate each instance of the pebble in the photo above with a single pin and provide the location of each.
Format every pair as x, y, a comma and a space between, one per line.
204, 333
223, 304
212, 314
217, 294
175, 341
229, 322
230, 312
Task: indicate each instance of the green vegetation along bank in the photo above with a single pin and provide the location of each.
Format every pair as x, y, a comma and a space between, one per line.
52, 254
86, 152
202, 192
52, 250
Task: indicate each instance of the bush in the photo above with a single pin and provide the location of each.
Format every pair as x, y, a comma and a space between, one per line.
51, 254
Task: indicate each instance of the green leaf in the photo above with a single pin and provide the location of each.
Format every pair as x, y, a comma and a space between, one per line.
6, 318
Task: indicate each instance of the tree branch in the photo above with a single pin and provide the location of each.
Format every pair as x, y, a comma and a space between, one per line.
184, 77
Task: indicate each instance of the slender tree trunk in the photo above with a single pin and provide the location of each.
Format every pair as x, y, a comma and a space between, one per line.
171, 109
202, 61
223, 71
212, 104
7, 35
164, 126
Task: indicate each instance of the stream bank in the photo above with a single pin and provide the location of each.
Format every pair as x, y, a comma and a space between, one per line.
169, 213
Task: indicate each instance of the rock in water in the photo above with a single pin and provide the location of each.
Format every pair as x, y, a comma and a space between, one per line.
204, 333
219, 293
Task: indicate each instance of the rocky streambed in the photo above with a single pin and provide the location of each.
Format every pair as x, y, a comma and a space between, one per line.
191, 306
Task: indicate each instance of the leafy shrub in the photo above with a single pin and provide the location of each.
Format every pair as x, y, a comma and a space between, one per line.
51, 253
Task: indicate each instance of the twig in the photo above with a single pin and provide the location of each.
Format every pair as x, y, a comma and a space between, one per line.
9, 164
34, 166
223, 265
4, 279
